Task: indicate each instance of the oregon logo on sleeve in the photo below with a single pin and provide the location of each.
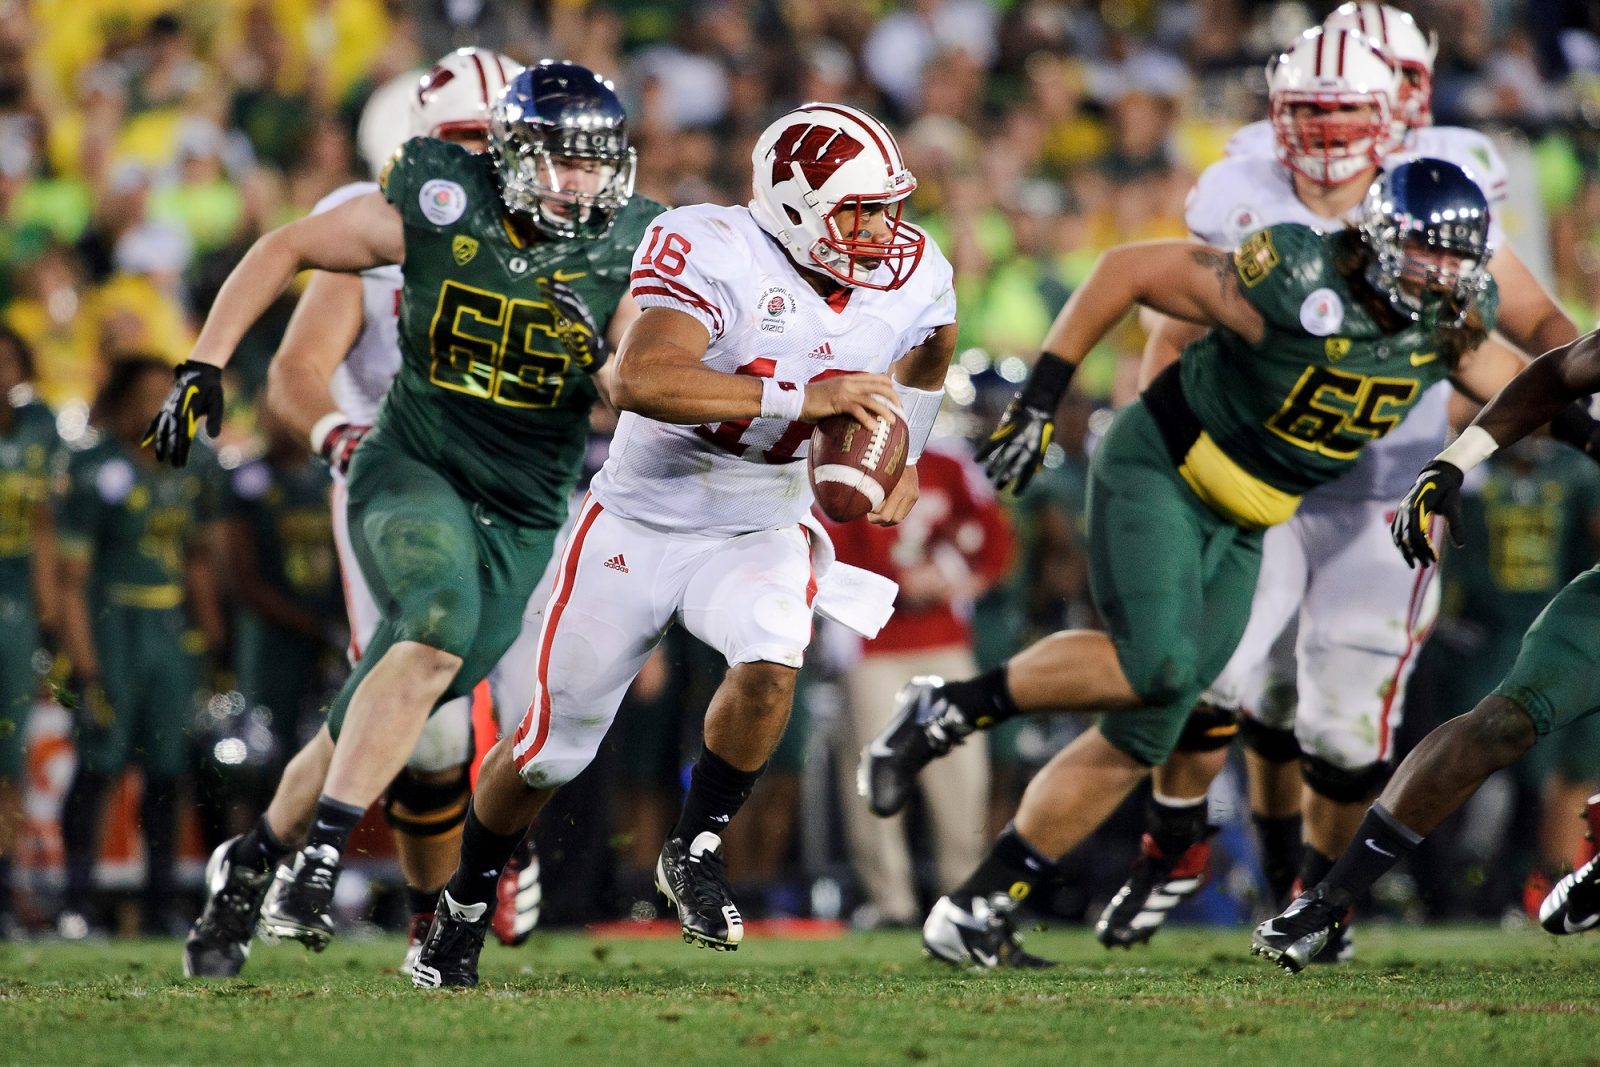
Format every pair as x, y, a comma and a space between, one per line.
442, 201
1322, 313
463, 248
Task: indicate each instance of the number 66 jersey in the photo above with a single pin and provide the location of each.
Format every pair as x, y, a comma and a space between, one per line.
718, 265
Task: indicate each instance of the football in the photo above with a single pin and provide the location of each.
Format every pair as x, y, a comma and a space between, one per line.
854, 469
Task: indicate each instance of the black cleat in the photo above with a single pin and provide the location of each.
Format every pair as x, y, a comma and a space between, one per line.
692, 877
300, 899
925, 726
1294, 938
1341, 946
518, 896
981, 934
449, 957
219, 942
1155, 886
416, 934
1573, 904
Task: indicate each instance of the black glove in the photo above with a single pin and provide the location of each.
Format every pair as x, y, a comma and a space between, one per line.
1015, 449
196, 394
1437, 491
339, 447
576, 329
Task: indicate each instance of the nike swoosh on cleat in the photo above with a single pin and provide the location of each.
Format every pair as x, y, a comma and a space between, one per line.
879, 750
1571, 928
984, 958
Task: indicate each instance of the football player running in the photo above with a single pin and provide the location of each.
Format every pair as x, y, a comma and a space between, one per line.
1335, 618
1319, 344
337, 359
1551, 685
513, 264
757, 322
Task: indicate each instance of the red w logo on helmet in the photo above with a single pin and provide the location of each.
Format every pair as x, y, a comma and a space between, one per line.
820, 150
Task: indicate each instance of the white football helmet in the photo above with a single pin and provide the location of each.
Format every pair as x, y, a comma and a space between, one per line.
455, 96
818, 159
1333, 101
1398, 34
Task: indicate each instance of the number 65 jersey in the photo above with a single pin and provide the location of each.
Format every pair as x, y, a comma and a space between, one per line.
718, 265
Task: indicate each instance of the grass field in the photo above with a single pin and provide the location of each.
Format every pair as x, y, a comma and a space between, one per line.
1192, 999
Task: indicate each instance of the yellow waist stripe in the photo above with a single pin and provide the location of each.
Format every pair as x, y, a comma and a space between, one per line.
152, 597
1230, 490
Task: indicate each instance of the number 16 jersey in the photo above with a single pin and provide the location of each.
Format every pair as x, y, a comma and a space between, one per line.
719, 266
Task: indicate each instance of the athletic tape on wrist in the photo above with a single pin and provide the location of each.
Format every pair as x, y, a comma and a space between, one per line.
782, 400
323, 427
922, 408
1470, 449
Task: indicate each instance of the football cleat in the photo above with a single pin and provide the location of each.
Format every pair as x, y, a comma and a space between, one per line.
518, 896
1155, 886
74, 925
1291, 940
925, 726
449, 956
1341, 946
219, 942
416, 934
1573, 906
981, 934
298, 903
694, 879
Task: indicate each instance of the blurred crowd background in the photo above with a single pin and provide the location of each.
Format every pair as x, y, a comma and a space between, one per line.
145, 144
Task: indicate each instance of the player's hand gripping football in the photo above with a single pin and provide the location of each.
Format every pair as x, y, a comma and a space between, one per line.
196, 394
1016, 448
1436, 492
576, 328
864, 397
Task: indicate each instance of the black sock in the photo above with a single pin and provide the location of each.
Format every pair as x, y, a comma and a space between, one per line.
259, 848
984, 701
1380, 843
158, 811
333, 823
1012, 867
1176, 827
1281, 850
80, 834
6, 890
1314, 868
420, 901
483, 856
717, 790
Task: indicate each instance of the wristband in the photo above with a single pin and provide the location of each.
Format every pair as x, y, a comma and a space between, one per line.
782, 400
1047, 383
325, 426
1470, 449
922, 408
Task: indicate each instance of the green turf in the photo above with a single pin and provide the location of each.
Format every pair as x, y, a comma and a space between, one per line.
1440, 997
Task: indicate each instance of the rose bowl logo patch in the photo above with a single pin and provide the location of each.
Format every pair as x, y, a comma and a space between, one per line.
774, 307
442, 201
1322, 313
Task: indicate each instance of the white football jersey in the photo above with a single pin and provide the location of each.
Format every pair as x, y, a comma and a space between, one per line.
360, 382
1251, 189
717, 265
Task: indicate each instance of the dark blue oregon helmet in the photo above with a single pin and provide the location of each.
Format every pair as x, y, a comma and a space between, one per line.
1427, 224
559, 111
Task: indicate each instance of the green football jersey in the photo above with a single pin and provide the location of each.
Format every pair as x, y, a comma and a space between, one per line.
29, 455
495, 387
286, 511
134, 520
1294, 410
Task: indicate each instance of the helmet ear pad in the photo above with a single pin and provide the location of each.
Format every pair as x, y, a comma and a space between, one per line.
821, 174
552, 120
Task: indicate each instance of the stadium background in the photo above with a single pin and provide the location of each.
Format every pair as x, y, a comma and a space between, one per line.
143, 146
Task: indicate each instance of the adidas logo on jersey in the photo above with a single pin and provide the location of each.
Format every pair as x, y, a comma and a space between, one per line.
822, 351
617, 563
